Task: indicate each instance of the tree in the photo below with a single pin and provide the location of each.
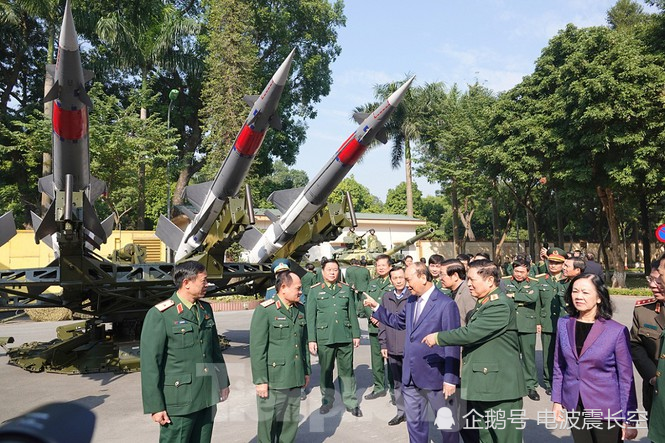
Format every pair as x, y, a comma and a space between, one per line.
281, 178
625, 15
396, 202
363, 200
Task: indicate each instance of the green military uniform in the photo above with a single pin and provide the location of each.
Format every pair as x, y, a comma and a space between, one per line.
525, 294
550, 306
377, 287
657, 427
648, 325
492, 378
332, 322
307, 281
358, 278
182, 368
279, 356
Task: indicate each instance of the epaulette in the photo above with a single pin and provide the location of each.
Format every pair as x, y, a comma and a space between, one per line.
340, 283
494, 297
646, 301
267, 303
544, 274
506, 277
315, 285
163, 306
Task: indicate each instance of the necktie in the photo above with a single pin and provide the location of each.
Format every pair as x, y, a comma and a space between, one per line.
418, 309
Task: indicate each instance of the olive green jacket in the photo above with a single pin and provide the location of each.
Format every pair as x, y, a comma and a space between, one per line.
278, 345
491, 367
357, 277
657, 424
331, 314
551, 302
526, 296
377, 287
182, 368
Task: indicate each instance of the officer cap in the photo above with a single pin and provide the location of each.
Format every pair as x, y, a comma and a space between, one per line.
556, 255
280, 265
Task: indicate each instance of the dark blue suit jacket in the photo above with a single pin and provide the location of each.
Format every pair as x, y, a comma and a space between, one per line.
425, 367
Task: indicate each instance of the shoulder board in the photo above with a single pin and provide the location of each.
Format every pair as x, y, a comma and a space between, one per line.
163, 306
267, 303
542, 275
646, 301
315, 285
507, 277
494, 297
341, 283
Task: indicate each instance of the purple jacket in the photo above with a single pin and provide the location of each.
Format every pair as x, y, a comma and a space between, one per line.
602, 375
427, 368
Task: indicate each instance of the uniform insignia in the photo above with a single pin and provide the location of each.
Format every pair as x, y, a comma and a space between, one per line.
280, 318
322, 293
314, 285
646, 301
300, 316
179, 322
530, 292
510, 294
278, 304
163, 306
494, 297
647, 325
179, 308
267, 303
546, 275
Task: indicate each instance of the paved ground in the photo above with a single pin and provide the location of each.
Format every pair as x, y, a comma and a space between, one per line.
116, 399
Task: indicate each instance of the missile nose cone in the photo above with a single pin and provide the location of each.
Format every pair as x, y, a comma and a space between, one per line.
68, 38
282, 73
398, 95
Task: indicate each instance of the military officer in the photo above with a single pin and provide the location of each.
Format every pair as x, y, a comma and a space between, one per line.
434, 265
279, 265
551, 306
183, 375
657, 427
280, 361
358, 277
492, 378
377, 287
645, 335
307, 281
333, 332
524, 292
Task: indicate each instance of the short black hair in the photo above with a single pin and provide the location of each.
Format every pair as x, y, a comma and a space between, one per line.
422, 269
455, 266
484, 255
284, 279
396, 267
463, 257
521, 261
435, 259
605, 305
187, 270
578, 263
383, 257
655, 264
590, 256
486, 268
330, 260
408, 256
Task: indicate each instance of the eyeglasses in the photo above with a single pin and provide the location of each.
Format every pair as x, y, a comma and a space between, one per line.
651, 279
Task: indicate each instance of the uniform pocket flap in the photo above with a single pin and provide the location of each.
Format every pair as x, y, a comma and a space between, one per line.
177, 380
183, 328
276, 362
648, 332
280, 324
485, 368
347, 324
321, 325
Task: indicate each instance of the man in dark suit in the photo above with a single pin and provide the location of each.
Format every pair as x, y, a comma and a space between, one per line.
429, 376
593, 267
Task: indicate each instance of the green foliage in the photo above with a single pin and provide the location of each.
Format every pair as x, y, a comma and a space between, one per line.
396, 200
282, 178
363, 200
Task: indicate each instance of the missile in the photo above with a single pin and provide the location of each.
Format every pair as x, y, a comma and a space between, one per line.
71, 187
232, 172
314, 195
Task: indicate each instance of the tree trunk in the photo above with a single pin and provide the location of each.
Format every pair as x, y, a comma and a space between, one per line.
466, 216
499, 245
409, 178
607, 199
559, 220
455, 207
530, 231
636, 242
646, 235
495, 224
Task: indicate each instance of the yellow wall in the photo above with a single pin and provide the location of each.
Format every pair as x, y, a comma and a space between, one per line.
21, 251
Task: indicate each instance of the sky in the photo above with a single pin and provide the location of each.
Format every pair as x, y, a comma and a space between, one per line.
494, 42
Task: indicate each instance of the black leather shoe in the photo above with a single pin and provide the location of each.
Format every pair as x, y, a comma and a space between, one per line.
548, 391
373, 395
356, 412
533, 395
303, 396
325, 408
397, 420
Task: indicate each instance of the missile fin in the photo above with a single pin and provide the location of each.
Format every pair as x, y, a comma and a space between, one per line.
197, 193
276, 122
53, 93
273, 217
91, 222
7, 227
46, 226
283, 199
169, 233
83, 96
360, 117
382, 136
88, 75
250, 238
250, 99
50, 69
191, 215
108, 224
97, 188
45, 185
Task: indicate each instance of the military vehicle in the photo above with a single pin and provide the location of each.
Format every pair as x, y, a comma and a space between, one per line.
345, 255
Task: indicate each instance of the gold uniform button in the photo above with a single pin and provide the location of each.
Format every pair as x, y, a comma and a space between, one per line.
273, 364
657, 373
484, 370
662, 356
176, 384
182, 330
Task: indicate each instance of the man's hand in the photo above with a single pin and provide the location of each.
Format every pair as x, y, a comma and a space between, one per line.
224, 393
448, 390
356, 342
161, 417
369, 302
628, 433
543, 253
306, 382
262, 390
539, 329
313, 348
384, 353
559, 415
430, 339
374, 321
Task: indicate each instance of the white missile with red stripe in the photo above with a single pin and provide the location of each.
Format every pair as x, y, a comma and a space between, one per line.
315, 194
233, 171
71, 186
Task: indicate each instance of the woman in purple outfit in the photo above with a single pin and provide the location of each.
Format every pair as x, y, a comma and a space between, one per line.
593, 369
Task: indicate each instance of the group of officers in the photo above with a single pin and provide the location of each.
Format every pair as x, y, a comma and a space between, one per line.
483, 326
